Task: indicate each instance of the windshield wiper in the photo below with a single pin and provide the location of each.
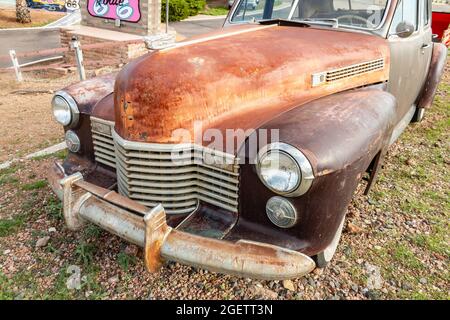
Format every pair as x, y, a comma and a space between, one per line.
284, 22
335, 21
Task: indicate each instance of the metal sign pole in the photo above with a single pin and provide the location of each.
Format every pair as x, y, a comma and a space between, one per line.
79, 58
167, 16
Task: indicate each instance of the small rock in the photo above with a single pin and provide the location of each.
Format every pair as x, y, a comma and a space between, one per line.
52, 229
372, 295
7, 251
406, 286
347, 251
377, 248
131, 250
289, 285
359, 261
423, 281
265, 293
42, 242
354, 229
113, 279
410, 162
318, 271
311, 282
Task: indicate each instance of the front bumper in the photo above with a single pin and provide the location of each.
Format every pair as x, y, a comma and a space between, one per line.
85, 202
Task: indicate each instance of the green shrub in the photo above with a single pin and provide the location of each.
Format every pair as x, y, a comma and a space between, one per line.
181, 9
178, 10
195, 6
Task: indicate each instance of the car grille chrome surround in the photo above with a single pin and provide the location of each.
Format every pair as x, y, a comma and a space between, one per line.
176, 175
347, 72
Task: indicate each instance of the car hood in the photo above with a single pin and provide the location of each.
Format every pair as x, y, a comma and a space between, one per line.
240, 78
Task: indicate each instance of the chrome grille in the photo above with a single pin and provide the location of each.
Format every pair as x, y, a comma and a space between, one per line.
147, 173
103, 143
354, 70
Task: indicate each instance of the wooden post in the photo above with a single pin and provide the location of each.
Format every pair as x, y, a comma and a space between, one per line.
79, 58
16, 66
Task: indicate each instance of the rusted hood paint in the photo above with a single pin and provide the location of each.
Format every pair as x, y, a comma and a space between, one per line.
237, 81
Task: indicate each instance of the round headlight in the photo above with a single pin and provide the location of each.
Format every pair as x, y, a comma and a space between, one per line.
65, 109
61, 110
284, 169
281, 212
72, 141
279, 171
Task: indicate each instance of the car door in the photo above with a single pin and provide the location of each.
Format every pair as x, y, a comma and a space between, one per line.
427, 36
410, 56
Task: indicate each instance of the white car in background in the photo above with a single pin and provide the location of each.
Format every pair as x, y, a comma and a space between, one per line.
250, 4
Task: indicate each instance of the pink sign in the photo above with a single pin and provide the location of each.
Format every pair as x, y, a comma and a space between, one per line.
125, 10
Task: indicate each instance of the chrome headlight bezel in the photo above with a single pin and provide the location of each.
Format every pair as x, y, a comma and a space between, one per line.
72, 106
303, 164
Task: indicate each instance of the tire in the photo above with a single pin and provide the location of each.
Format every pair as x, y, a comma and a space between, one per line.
418, 115
323, 259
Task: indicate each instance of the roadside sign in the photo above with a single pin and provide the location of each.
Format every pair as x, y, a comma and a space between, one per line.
72, 4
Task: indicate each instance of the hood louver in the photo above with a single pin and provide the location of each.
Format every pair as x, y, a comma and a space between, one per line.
346, 72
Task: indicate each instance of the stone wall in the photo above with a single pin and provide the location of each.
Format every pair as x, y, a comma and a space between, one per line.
119, 53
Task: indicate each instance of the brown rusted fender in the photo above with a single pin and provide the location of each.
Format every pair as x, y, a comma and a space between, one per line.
83, 202
87, 93
241, 80
349, 130
438, 60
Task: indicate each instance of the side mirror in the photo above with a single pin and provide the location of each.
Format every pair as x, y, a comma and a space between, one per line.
404, 29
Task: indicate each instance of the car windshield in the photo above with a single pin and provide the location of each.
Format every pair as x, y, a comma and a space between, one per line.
366, 14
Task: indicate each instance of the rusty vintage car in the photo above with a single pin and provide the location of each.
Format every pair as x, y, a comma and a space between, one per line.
310, 93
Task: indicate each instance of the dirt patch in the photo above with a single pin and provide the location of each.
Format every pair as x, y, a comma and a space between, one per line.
39, 18
26, 120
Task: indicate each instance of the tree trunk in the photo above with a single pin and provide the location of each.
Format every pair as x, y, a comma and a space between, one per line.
22, 12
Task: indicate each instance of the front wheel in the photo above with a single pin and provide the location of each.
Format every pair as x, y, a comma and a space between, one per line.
418, 115
323, 259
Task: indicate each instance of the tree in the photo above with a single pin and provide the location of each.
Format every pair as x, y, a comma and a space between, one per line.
22, 12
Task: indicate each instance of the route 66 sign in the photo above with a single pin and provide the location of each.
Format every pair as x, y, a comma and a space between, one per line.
124, 10
72, 4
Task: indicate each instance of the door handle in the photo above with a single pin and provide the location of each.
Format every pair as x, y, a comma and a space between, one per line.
424, 47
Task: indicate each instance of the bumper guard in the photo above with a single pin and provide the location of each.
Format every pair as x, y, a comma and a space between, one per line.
85, 202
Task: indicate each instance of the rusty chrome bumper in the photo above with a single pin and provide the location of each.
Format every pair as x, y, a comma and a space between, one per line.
85, 202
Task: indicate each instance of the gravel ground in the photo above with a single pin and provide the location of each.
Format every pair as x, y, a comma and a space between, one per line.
395, 244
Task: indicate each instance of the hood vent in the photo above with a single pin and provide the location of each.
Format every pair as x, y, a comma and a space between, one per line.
346, 72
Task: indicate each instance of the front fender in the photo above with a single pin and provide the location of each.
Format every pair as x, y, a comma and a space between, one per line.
340, 135
87, 93
437, 66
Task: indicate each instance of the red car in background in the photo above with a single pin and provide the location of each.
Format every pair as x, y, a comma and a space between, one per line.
441, 21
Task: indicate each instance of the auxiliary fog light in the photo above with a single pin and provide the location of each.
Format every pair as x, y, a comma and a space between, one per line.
281, 212
72, 141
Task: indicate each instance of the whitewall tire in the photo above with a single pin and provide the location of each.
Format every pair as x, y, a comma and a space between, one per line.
323, 259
